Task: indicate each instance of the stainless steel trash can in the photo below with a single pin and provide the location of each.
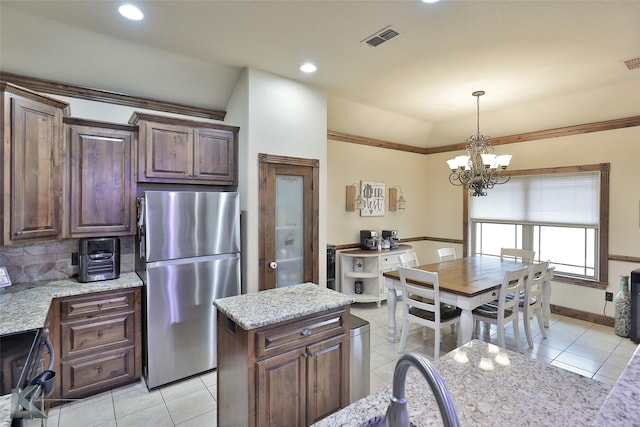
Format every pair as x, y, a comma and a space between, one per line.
360, 359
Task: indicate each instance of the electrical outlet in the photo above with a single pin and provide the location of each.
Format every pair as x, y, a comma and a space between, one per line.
608, 296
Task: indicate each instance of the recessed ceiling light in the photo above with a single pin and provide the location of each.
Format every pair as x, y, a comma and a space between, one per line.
308, 68
129, 11
430, 1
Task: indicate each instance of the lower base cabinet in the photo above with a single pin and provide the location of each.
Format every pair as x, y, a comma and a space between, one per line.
97, 341
293, 373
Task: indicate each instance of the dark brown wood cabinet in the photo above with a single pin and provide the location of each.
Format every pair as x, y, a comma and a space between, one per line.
32, 165
292, 373
97, 339
186, 152
101, 191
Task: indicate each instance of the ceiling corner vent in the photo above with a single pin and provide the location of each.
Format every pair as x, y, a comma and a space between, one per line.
633, 63
381, 36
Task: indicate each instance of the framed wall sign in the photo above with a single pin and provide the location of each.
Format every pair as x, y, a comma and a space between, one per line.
372, 194
4, 277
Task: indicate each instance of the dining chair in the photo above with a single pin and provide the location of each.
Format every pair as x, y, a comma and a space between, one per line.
522, 254
408, 259
421, 305
446, 254
507, 308
531, 302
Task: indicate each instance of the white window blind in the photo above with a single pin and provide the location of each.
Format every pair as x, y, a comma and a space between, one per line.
571, 199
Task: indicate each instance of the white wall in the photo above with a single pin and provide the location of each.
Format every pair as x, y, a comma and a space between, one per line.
435, 207
280, 117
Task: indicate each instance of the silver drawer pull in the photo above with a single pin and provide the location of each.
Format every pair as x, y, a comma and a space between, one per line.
306, 332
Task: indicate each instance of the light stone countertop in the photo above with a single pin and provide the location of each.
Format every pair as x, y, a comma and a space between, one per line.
251, 311
490, 386
24, 307
621, 407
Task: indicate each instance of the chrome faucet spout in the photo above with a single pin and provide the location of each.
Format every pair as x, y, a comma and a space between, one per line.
397, 414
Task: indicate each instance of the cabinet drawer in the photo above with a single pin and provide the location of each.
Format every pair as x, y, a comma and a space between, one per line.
97, 304
389, 262
300, 333
99, 334
92, 374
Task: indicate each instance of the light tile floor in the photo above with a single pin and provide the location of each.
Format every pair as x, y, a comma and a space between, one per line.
585, 348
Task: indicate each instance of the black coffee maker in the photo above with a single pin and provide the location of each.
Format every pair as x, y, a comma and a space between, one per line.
369, 240
392, 237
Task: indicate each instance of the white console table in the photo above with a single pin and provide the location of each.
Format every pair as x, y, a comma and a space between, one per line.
373, 264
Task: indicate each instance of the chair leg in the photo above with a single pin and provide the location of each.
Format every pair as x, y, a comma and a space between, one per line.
487, 329
527, 328
541, 323
516, 332
403, 338
425, 333
453, 328
436, 345
500, 327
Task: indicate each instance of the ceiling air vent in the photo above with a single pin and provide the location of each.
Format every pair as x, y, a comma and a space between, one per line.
632, 64
381, 36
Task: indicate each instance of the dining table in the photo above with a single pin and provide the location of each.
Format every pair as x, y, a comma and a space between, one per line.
467, 283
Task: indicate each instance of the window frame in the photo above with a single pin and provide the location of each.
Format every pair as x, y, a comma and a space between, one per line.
601, 281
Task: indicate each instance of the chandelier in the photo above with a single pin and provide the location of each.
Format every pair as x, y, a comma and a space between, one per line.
480, 169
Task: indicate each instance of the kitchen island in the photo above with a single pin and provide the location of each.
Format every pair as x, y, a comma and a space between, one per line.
490, 386
283, 356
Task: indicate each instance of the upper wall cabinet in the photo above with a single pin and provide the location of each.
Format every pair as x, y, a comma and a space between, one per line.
32, 165
181, 151
101, 191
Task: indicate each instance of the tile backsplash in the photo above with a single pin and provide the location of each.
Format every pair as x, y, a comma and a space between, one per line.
52, 260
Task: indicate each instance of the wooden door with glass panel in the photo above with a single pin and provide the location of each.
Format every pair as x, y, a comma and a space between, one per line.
288, 221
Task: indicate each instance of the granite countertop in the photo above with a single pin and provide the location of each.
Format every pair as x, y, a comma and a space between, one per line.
251, 311
621, 407
490, 386
24, 307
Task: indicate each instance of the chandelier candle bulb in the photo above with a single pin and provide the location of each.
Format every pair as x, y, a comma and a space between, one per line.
481, 169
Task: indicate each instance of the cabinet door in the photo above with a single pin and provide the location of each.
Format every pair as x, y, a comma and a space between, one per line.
166, 153
102, 185
281, 390
327, 378
215, 156
36, 172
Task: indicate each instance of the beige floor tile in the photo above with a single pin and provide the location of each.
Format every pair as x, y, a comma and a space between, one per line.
588, 350
377, 358
210, 378
376, 382
181, 388
208, 419
584, 363
604, 379
571, 368
190, 405
89, 414
156, 416
135, 400
610, 371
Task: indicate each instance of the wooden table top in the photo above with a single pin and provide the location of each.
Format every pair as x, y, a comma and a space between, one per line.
469, 276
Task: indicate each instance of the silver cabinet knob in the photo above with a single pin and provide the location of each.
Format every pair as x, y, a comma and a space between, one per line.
273, 265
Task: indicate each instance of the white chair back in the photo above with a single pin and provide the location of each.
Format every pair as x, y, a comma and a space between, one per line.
446, 254
421, 304
408, 259
522, 254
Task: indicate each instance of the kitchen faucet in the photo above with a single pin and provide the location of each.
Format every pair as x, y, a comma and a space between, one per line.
397, 414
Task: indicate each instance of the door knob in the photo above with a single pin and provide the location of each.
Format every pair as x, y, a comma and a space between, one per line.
273, 265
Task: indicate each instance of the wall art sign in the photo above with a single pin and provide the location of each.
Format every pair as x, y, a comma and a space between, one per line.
373, 195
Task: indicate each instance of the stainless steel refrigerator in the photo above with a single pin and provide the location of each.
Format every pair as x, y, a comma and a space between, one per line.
187, 255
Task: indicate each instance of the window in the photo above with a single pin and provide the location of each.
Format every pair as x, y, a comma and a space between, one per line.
558, 213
